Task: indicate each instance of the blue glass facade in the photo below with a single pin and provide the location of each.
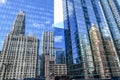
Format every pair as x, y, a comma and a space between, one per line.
117, 3
115, 10
113, 26
78, 18
60, 57
76, 36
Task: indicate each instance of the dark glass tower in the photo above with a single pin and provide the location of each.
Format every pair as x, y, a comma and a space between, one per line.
81, 61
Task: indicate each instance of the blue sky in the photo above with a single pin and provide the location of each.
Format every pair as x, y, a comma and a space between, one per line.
59, 38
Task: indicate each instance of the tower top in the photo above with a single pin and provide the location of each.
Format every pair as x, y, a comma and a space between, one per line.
19, 29
93, 25
21, 12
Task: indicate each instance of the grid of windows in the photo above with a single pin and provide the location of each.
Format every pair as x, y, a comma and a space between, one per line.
90, 52
38, 17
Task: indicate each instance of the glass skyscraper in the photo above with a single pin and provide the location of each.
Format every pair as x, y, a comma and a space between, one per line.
59, 56
112, 18
79, 15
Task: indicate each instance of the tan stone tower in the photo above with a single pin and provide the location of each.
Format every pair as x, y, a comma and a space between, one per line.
19, 53
100, 61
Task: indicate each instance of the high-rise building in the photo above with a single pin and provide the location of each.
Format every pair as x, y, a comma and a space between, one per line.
114, 8
59, 44
59, 57
40, 17
19, 25
19, 53
109, 10
60, 70
47, 56
49, 67
101, 65
48, 43
78, 18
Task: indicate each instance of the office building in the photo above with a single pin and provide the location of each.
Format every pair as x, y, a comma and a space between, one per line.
59, 56
112, 58
111, 18
19, 59
47, 56
59, 44
49, 67
101, 65
79, 48
60, 70
48, 43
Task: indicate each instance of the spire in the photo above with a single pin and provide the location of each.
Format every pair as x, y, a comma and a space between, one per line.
21, 12
19, 24
93, 27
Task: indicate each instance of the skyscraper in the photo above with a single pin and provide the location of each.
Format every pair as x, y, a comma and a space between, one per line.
77, 41
40, 16
111, 18
59, 56
19, 25
48, 43
78, 18
47, 55
59, 44
19, 53
115, 10
101, 65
